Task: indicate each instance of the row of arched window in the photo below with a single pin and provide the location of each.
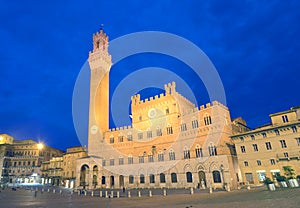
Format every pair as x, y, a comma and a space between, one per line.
195, 123
140, 135
162, 178
212, 151
169, 130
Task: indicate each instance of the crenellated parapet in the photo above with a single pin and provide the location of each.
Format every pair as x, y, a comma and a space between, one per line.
120, 128
170, 88
205, 107
135, 99
99, 56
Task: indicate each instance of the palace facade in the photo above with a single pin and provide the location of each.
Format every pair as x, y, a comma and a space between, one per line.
171, 142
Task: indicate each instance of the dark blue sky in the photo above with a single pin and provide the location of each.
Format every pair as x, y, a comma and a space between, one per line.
254, 45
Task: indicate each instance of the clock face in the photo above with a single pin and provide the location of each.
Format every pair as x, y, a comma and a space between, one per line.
94, 129
152, 113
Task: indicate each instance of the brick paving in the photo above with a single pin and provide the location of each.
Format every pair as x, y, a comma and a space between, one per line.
261, 197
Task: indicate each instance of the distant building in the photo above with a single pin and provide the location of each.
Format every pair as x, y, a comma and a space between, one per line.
171, 143
69, 164
264, 151
60, 171
5, 140
20, 160
51, 171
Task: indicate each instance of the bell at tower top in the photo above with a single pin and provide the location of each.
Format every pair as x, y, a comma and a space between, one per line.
100, 41
99, 57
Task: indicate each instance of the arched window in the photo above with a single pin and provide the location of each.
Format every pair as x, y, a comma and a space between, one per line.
183, 127
207, 120
129, 136
167, 111
198, 151
172, 155
150, 157
141, 158
149, 133
140, 135
169, 129
112, 162
216, 176
162, 178
142, 178
111, 140
131, 179
212, 150
95, 180
112, 180
130, 159
95, 169
195, 124
189, 177
158, 131
152, 178
173, 177
186, 153
121, 160
95, 175
103, 180
160, 156
120, 138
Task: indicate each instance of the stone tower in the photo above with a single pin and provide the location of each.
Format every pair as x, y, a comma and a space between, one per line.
100, 64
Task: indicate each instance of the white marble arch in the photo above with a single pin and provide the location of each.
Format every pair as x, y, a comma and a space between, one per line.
187, 168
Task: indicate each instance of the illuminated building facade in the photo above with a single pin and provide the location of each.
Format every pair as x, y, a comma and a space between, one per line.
171, 142
264, 151
60, 171
21, 159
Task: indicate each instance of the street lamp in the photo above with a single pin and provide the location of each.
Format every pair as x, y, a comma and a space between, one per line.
40, 146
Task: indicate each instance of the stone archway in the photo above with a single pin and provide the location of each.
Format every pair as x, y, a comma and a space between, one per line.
84, 176
121, 181
112, 181
95, 176
202, 179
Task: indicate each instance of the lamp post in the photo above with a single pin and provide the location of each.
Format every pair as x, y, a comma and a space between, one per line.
40, 146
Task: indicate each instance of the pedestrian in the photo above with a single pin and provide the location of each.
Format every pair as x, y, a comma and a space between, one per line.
123, 189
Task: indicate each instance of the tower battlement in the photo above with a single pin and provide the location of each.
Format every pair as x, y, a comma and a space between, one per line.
99, 56
170, 89
100, 41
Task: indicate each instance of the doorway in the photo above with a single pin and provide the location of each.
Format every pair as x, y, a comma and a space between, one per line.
202, 179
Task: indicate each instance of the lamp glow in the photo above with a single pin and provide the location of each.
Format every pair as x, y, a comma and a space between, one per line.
40, 146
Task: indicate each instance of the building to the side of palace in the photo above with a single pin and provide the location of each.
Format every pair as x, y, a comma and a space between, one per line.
60, 171
171, 142
264, 151
20, 160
